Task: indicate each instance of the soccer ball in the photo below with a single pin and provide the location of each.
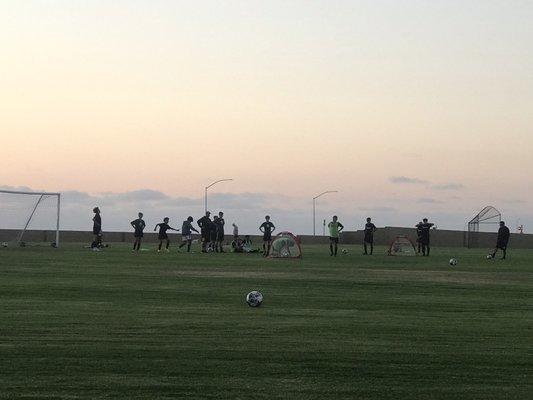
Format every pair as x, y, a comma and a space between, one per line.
489, 256
254, 299
453, 262
344, 251
4, 244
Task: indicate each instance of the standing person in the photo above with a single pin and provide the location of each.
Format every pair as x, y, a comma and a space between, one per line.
425, 227
186, 233
419, 236
235, 231
138, 225
267, 228
370, 228
213, 226
220, 232
97, 229
205, 224
163, 236
502, 241
335, 227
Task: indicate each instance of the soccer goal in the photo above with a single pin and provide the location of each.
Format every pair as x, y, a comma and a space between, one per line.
402, 246
488, 216
29, 217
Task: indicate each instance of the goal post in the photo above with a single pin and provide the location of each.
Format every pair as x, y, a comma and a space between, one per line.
30, 208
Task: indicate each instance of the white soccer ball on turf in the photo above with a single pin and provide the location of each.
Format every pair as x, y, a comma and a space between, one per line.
489, 256
254, 298
453, 262
344, 251
4, 244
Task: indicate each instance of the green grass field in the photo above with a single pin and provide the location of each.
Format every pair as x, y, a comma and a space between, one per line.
77, 324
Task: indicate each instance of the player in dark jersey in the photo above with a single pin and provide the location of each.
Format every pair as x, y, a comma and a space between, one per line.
97, 229
424, 228
267, 228
502, 241
370, 228
186, 233
205, 223
163, 236
418, 236
138, 225
220, 232
213, 234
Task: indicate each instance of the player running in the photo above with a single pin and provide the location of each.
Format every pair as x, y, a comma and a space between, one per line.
205, 224
335, 228
186, 233
138, 225
502, 241
424, 228
370, 228
97, 229
220, 232
267, 228
163, 236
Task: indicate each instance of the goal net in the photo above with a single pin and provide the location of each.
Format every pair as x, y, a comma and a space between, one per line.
486, 217
402, 246
29, 218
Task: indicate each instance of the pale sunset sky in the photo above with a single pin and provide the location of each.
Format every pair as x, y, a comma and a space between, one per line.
407, 108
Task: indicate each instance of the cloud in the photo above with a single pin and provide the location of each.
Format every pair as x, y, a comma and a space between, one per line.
407, 180
448, 186
427, 200
378, 209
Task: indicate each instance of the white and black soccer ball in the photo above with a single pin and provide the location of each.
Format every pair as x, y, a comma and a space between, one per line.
489, 256
453, 262
4, 244
344, 251
254, 298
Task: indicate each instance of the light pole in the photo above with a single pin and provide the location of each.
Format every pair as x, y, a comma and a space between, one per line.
207, 187
314, 207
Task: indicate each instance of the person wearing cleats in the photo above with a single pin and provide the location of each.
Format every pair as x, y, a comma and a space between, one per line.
424, 228
186, 233
335, 228
502, 241
205, 225
138, 225
266, 229
370, 228
163, 236
220, 232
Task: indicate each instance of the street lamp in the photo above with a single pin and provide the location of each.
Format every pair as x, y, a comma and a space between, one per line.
314, 207
207, 187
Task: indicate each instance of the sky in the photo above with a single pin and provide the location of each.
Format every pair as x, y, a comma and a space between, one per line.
407, 109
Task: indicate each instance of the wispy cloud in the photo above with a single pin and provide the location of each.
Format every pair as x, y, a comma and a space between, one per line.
448, 186
407, 180
427, 200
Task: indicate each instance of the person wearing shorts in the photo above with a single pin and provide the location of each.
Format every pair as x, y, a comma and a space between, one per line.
186, 233
220, 232
138, 225
163, 236
205, 225
370, 228
267, 228
335, 228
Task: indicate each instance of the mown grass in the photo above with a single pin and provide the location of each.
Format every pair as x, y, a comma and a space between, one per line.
81, 325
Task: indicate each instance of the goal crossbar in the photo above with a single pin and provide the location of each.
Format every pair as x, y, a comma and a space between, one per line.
41, 196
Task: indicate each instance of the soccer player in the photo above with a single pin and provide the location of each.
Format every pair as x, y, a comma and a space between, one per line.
186, 233
235, 231
502, 241
418, 236
205, 224
335, 227
220, 232
163, 236
424, 235
138, 225
267, 228
97, 229
370, 228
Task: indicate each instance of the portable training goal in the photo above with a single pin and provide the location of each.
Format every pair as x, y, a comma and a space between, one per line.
402, 246
285, 245
21, 211
488, 216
